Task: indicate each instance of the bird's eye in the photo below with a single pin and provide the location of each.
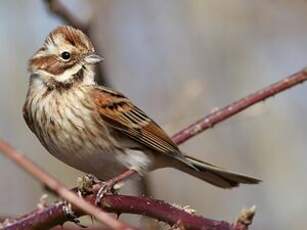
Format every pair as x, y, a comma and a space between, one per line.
65, 55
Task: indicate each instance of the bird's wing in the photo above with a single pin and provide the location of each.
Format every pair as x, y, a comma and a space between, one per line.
121, 114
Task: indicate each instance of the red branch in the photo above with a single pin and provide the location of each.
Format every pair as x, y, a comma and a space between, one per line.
53, 214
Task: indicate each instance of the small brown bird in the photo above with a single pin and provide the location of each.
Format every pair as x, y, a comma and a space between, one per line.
93, 128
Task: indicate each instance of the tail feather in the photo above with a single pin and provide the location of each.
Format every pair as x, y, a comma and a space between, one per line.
216, 175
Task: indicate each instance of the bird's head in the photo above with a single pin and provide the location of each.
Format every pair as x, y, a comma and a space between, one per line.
65, 52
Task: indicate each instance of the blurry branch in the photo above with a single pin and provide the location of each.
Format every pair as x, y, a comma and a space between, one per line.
58, 9
58, 188
54, 214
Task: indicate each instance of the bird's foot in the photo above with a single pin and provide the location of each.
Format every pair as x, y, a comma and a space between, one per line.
89, 184
86, 183
108, 187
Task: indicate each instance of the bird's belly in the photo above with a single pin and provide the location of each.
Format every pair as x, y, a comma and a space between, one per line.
101, 163
94, 154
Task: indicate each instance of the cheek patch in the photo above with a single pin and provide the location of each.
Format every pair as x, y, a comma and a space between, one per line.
51, 64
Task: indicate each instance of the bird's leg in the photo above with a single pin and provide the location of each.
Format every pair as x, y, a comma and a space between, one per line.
110, 187
90, 184
105, 188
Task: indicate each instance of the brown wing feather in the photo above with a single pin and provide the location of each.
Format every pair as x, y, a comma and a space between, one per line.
119, 112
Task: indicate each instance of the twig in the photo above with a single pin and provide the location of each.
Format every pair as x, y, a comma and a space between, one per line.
58, 9
59, 188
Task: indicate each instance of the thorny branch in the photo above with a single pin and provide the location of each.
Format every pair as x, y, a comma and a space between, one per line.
44, 216
53, 215
57, 8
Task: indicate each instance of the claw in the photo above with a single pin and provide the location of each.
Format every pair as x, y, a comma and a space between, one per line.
85, 186
106, 188
109, 187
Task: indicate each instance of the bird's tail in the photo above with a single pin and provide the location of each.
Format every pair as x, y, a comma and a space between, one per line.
214, 174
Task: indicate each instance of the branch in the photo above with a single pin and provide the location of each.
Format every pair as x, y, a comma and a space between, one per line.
54, 214
59, 188
58, 9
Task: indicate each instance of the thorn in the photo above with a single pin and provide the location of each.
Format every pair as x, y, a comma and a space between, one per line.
186, 208
214, 109
43, 202
245, 218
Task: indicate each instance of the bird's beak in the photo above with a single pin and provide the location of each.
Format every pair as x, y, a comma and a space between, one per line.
93, 59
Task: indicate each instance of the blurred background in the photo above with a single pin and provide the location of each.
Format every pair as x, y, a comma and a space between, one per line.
178, 60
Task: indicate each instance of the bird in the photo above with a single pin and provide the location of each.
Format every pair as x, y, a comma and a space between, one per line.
96, 129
